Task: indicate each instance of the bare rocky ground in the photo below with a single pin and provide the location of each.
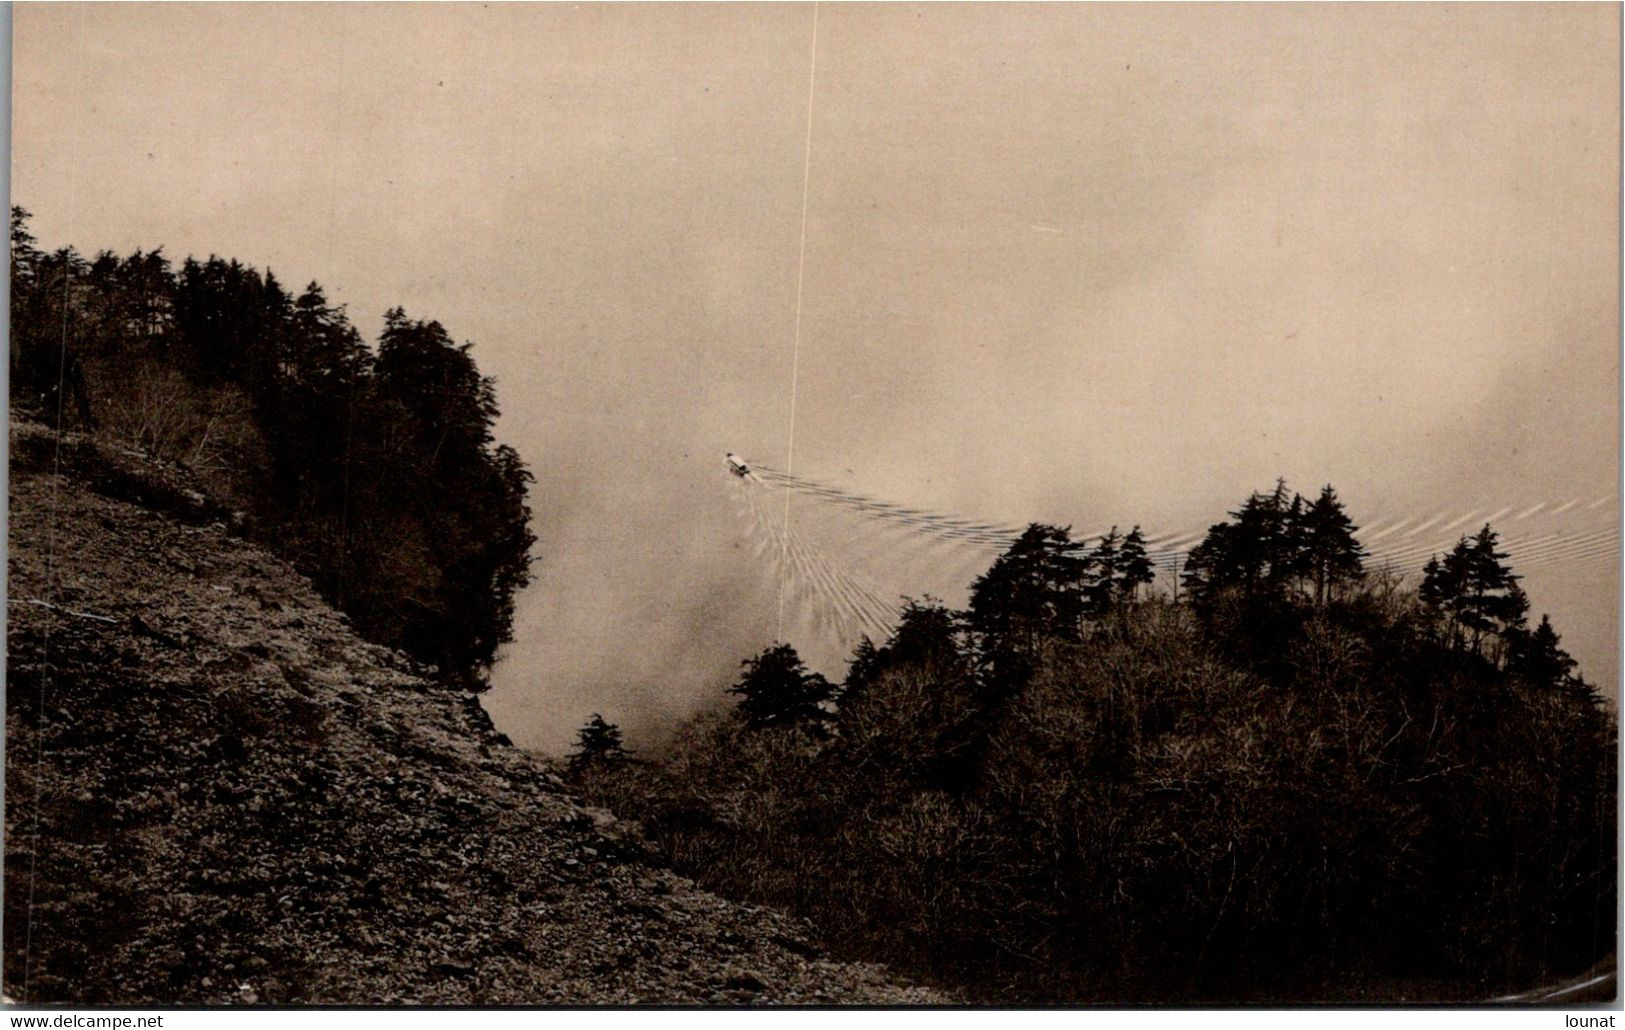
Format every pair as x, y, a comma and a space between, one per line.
217, 793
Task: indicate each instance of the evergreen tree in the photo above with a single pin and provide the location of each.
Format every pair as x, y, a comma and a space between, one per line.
347, 463
1323, 751
324, 352
1269, 544
25, 256
1440, 580
1276, 547
1099, 586
448, 407
49, 327
861, 670
1032, 592
322, 368
448, 508
1328, 553
927, 637
1134, 569
1475, 591
1538, 657
26, 268
140, 288
1114, 571
1208, 566
229, 323
1257, 553
597, 743
776, 689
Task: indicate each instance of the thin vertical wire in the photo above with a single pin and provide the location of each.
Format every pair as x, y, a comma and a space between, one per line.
801, 268
50, 532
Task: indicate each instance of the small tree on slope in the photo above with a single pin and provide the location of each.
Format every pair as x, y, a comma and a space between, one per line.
597, 743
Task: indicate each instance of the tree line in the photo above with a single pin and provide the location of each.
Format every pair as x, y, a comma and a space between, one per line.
372, 468
1298, 777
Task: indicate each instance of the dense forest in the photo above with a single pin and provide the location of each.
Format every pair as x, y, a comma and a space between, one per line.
1286, 776
371, 468
1292, 778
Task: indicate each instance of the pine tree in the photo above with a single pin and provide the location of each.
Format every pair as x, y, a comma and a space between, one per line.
1114, 572
1537, 657
1258, 552
1208, 567
861, 671
324, 352
1475, 591
1134, 568
49, 328
440, 490
1269, 546
26, 263
1438, 583
1100, 576
386, 466
777, 690
1032, 592
1329, 555
927, 637
597, 743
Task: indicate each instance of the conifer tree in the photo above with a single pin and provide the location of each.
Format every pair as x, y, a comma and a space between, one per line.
1114, 572
1329, 555
1100, 575
597, 743
49, 327
348, 463
1134, 569
1257, 552
1475, 591
927, 636
865, 664
1033, 591
776, 689
1537, 656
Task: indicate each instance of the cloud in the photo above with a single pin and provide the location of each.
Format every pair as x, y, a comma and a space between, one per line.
1371, 245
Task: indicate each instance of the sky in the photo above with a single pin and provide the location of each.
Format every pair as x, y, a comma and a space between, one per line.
1071, 263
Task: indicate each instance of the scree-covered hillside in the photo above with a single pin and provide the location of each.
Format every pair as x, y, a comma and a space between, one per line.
217, 793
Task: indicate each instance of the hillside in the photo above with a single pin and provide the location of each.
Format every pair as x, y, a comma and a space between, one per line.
217, 793
1298, 782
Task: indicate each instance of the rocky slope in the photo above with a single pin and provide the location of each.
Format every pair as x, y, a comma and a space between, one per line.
216, 793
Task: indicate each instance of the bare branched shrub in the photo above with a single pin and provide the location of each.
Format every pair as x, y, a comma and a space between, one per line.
151, 406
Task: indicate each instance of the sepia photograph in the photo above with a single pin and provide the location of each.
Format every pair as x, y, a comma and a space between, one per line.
833, 505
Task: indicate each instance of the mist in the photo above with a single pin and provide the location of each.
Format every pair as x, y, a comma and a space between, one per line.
1088, 265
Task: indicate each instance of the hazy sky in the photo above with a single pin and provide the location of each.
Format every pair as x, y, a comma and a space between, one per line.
1080, 264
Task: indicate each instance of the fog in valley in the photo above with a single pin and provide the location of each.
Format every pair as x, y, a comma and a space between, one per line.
1087, 265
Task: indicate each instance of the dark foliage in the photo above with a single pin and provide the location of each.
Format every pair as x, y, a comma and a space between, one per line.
931, 738
375, 473
1032, 594
1328, 554
1537, 657
928, 635
776, 689
598, 743
1133, 568
1114, 572
1475, 595
1302, 784
1274, 549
